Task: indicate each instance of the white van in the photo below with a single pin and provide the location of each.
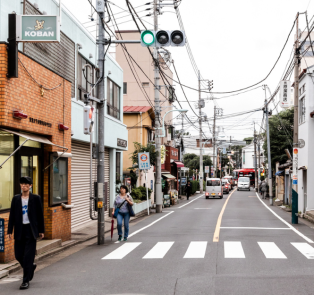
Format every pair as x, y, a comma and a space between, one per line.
213, 188
244, 183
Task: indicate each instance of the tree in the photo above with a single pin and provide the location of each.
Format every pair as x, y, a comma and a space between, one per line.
248, 139
192, 161
149, 148
281, 136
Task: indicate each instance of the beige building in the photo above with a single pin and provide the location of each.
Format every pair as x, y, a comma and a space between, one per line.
134, 89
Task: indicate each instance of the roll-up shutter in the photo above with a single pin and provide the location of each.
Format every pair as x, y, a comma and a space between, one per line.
80, 181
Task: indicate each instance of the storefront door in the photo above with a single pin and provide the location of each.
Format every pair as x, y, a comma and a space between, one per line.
29, 164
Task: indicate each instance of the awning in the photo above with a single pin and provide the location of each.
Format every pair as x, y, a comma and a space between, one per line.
163, 171
179, 164
169, 176
302, 168
278, 173
36, 138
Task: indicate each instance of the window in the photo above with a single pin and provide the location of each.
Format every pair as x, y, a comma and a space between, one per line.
7, 171
302, 89
145, 84
84, 80
113, 99
213, 183
302, 110
171, 96
58, 181
125, 88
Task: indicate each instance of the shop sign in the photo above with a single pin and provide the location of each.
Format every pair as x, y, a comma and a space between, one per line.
122, 143
206, 169
1, 235
295, 166
40, 122
183, 180
143, 161
37, 28
174, 153
162, 154
285, 94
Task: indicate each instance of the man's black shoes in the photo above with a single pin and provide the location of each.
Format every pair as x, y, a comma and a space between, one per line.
34, 267
24, 286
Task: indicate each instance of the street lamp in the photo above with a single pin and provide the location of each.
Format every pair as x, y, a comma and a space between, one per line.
163, 121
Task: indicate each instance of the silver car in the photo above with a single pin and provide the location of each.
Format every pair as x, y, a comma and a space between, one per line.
244, 183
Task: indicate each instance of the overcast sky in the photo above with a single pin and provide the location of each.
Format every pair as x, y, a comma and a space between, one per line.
234, 43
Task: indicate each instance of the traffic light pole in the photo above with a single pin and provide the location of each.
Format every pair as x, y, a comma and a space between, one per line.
157, 125
101, 133
201, 141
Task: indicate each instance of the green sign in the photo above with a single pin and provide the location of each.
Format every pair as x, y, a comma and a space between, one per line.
37, 28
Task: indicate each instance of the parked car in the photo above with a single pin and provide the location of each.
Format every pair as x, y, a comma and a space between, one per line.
231, 180
213, 188
243, 183
226, 185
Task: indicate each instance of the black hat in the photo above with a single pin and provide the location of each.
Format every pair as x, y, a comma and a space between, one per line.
26, 179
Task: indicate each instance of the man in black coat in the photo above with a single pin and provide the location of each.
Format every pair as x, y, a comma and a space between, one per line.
27, 219
188, 189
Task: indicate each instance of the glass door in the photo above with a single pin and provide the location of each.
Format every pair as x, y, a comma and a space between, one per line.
29, 167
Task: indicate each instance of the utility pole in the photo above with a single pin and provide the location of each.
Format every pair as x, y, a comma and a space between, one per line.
157, 116
201, 141
255, 161
270, 180
294, 206
259, 162
214, 142
101, 126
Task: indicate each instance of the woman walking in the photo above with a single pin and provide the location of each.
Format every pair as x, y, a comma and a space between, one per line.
123, 201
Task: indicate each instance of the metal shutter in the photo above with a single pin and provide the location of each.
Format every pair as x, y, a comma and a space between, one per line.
80, 181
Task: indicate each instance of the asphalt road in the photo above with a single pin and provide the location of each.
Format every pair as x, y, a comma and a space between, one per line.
183, 251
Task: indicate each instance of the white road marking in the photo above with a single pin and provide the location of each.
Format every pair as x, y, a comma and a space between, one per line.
159, 250
139, 230
306, 249
286, 223
191, 201
285, 228
196, 250
271, 250
122, 251
233, 250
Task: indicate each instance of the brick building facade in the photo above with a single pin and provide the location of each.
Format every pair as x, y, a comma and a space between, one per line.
45, 97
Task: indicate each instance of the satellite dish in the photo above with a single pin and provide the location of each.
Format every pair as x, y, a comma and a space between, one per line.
301, 143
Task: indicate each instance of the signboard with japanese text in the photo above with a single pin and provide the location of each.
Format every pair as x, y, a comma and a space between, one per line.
1, 235
285, 94
143, 161
206, 169
295, 166
37, 28
162, 154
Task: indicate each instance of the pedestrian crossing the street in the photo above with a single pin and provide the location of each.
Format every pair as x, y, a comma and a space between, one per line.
198, 250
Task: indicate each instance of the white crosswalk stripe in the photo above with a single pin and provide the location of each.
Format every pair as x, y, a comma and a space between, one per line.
234, 250
306, 249
196, 250
122, 251
271, 250
159, 250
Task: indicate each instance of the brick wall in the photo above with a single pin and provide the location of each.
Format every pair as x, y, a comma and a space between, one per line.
8, 255
54, 107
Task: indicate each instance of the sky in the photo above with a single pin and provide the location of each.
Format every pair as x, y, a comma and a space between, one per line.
234, 43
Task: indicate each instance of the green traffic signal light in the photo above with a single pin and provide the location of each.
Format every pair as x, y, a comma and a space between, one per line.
148, 37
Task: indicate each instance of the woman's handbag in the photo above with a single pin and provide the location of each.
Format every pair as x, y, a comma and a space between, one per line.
131, 211
116, 211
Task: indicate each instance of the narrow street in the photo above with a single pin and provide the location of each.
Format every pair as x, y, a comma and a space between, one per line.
174, 253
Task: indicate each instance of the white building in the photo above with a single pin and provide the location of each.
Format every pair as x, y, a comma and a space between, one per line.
306, 131
248, 155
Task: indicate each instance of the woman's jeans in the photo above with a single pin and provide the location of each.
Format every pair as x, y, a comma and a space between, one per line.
126, 217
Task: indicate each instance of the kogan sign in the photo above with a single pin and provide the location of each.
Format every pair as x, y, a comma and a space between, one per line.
37, 28
285, 94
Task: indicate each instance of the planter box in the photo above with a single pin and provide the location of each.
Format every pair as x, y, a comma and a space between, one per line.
139, 207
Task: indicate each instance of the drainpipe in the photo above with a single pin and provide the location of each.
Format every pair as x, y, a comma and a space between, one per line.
60, 11
92, 198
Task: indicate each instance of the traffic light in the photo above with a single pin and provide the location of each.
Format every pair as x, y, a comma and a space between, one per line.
162, 38
88, 119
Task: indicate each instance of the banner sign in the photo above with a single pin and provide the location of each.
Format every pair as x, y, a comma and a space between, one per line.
206, 169
285, 94
1, 235
162, 154
143, 161
37, 28
295, 166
